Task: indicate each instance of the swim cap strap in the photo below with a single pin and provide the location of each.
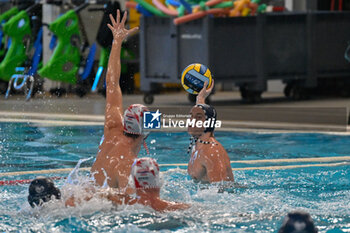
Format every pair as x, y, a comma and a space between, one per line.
193, 141
145, 146
206, 142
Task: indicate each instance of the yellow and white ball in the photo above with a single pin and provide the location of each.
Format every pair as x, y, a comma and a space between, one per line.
194, 76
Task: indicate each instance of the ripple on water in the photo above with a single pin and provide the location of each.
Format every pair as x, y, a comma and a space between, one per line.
323, 192
250, 209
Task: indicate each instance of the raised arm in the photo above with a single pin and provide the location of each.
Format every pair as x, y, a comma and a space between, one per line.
114, 101
204, 93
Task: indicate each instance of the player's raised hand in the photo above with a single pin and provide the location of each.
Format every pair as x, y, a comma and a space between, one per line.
118, 27
204, 93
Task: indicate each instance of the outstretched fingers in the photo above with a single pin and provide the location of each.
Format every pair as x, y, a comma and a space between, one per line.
118, 27
112, 20
110, 27
118, 16
124, 18
132, 30
212, 86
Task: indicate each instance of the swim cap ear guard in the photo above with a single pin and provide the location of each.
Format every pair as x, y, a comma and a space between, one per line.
145, 174
210, 113
133, 121
42, 190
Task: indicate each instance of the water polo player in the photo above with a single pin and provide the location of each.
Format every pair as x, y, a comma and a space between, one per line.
42, 190
123, 136
209, 161
146, 181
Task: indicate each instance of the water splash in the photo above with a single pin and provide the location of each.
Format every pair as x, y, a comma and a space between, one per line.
324, 193
73, 177
258, 208
105, 182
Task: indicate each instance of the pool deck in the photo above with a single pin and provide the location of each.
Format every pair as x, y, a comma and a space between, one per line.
275, 112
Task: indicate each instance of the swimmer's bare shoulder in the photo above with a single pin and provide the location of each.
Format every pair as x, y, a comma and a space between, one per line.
217, 163
219, 150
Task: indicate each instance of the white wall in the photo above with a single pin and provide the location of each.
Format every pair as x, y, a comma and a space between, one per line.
296, 5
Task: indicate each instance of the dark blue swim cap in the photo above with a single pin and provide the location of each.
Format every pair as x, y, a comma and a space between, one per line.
298, 222
210, 113
42, 190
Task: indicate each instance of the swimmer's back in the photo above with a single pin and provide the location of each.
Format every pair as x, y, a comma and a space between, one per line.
115, 158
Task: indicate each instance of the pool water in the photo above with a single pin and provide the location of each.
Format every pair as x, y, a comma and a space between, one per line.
269, 195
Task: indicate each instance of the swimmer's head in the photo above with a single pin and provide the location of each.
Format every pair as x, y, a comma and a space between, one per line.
133, 121
202, 112
42, 190
298, 222
145, 173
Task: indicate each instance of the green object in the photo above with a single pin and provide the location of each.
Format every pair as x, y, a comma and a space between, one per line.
202, 6
18, 29
181, 10
3, 19
8, 14
256, 1
65, 61
151, 8
262, 8
104, 55
224, 5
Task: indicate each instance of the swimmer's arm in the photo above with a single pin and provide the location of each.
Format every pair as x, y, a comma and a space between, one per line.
204, 93
163, 206
114, 102
72, 201
120, 199
177, 206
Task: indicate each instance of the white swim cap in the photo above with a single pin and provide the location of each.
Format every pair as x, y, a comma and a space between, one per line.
133, 119
145, 173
